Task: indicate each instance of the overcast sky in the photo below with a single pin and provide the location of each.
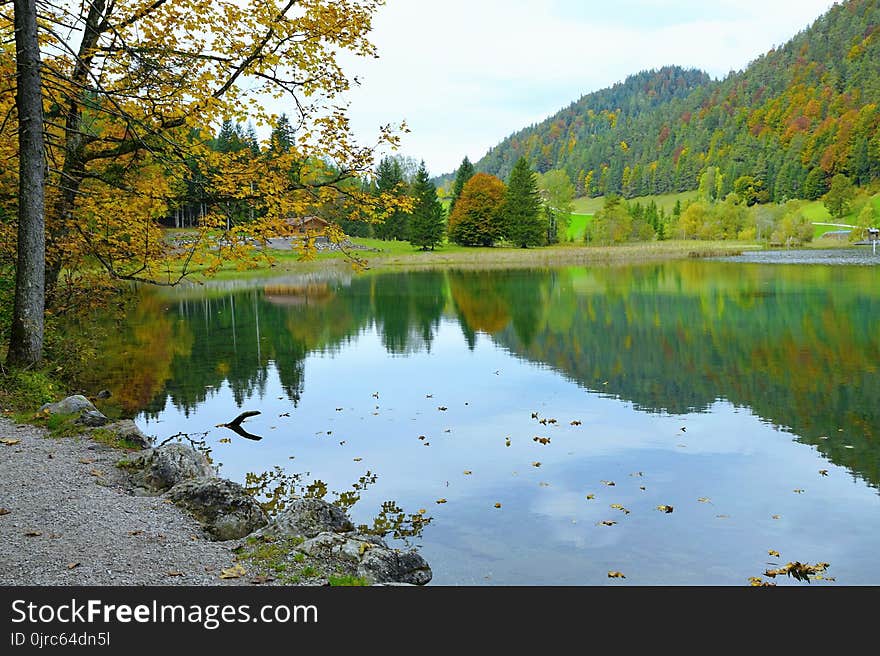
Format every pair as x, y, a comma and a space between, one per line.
464, 74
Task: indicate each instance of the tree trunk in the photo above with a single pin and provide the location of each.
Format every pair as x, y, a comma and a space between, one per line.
26, 339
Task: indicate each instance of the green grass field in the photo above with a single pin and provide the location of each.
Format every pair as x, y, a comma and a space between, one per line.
577, 226
586, 205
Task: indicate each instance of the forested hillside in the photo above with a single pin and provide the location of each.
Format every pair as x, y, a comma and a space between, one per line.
792, 119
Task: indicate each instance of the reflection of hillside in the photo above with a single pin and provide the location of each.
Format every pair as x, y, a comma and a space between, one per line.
797, 345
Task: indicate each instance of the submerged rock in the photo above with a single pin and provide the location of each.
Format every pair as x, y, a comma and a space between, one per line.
160, 469
224, 508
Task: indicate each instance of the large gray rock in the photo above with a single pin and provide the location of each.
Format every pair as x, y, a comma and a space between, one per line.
350, 547
224, 508
392, 566
306, 518
127, 430
162, 468
69, 406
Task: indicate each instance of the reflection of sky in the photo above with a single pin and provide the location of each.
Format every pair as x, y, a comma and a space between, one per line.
546, 531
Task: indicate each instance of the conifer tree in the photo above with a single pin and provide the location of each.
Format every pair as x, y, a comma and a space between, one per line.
523, 219
426, 221
465, 172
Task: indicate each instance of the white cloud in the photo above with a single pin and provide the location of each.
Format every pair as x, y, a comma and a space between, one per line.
465, 74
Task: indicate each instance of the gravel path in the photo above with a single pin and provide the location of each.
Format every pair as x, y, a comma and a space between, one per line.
66, 519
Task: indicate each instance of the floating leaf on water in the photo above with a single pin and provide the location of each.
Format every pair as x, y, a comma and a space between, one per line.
823, 472
758, 582
358, 459
773, 552
722, 516
8, 441
608, 483
798, 490
534, 415
441, 500
422, 437
543, 484
234, 572
704, 500
576, 423
642, 488
442, 408
375, 395
422, 511
342, 443
637, 474
606, 522
225, 440
427, 444
541, 440
617, 506
284, 414
665, 509
506, 441
616, 575
590, 497
536, 464
775, 516
468, 472
497, 505
429, 396
799, 571
338, 409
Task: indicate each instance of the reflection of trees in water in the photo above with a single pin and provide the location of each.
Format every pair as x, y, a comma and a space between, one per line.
797, 345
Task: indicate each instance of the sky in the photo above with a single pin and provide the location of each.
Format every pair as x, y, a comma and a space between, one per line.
465, 74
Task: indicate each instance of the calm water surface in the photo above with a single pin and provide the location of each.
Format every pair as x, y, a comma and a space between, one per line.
744, 395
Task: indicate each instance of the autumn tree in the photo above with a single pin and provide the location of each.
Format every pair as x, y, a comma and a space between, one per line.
465, 172
840, 196
523, 219
426, 221
128, 83
478, 217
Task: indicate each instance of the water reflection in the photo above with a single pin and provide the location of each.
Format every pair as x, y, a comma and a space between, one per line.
797, 345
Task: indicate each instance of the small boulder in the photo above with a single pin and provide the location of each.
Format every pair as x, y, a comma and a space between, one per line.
307, 518
391, 566
350, 547
128, 431
103, 394
69, 406
160, 469
224, 508
92, 418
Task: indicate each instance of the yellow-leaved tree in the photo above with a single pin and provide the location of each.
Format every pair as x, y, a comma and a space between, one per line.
130, 94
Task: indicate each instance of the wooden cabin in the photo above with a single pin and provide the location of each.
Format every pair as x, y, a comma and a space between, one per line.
307, 225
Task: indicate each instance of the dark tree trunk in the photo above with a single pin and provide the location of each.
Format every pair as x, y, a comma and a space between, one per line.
26, 340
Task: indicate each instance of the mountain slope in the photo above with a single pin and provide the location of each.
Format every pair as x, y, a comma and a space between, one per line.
792, 119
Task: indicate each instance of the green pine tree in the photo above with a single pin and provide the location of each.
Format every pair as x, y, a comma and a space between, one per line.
389, 180
465, 172
523, 218
426, 221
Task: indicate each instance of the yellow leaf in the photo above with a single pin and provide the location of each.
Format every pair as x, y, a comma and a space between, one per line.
590, 497
234, 572
773, 552
616, 575
497, 505
441, 500
8, 441
666, 509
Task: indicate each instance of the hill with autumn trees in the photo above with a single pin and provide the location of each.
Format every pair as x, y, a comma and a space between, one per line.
794, 118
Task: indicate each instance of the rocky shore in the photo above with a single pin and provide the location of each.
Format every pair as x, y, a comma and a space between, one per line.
81, 511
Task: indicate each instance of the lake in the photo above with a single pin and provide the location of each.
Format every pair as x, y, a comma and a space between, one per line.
674, 422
